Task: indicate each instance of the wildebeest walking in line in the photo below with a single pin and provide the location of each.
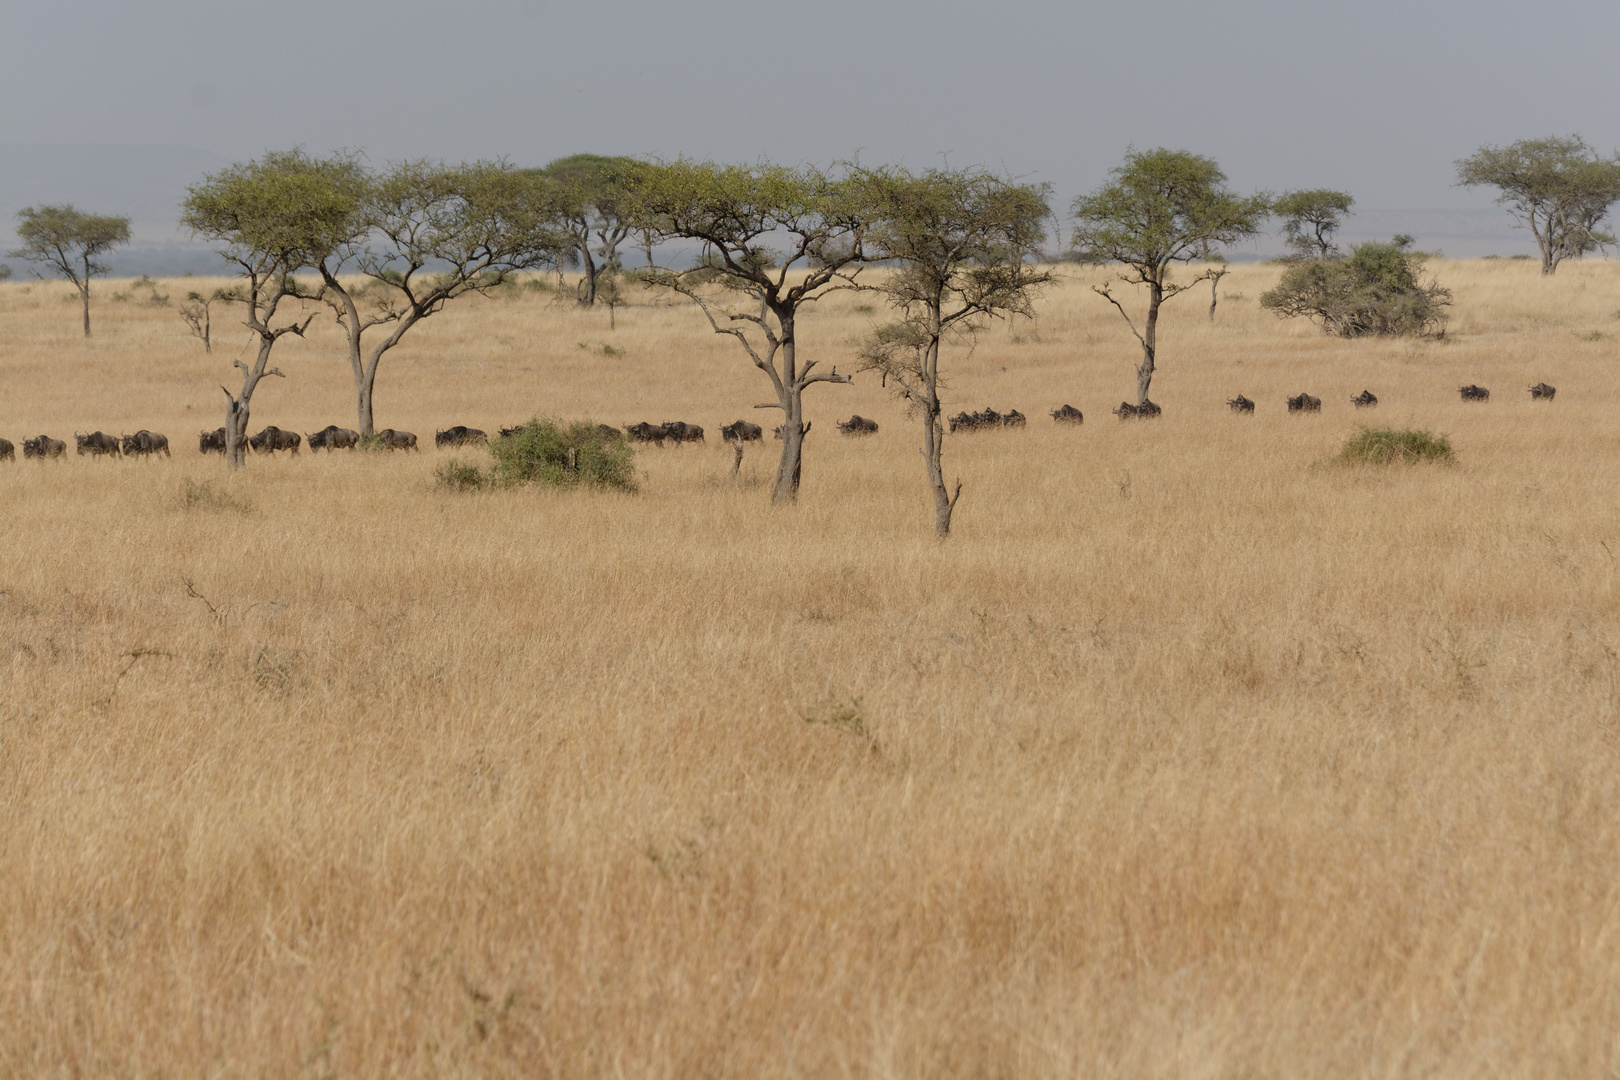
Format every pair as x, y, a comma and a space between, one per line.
645, 432
97, 445
331, 437
1542, 392
8, 452
1364, 400
460, 435
43, 446
986, 418
1304, 403
273, 438
1068, 414
1145, 411
1240, 404
682, 432
858, 425
390, 439
1474, 393
144, 443
211, 442
742, 431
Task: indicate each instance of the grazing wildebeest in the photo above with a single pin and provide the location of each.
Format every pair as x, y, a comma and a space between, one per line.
1240, 404
96, 444
461, 435
1542, 391
43, 446
145, 442
1474, 393
1364, 400
1125, 411
396, 440
1068, 415
212, 442
742, 431
8, 452
645, 432
331, 437
273, 438
857, 425
1304, 403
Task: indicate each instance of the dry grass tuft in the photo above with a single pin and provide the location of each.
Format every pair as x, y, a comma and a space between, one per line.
1179, 758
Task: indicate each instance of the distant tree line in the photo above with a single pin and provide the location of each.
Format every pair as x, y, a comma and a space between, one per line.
383, 249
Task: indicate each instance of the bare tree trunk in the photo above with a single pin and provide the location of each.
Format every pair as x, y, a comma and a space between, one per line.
84, 294
788, 470
367, 427
1150, 332
587, 285
236, 423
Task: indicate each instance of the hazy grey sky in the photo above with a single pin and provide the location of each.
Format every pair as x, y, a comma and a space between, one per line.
1378, 98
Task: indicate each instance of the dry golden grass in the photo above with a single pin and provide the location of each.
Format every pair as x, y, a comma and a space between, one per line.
1185, 756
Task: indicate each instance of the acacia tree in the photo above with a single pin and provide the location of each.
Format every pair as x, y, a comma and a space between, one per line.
272, 216
746, 287
1162, 207
1310, 218
69, 242
1558, 188
588, 193
422, 234
960, 237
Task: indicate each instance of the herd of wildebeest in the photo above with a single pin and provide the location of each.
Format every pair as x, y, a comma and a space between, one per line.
272, 439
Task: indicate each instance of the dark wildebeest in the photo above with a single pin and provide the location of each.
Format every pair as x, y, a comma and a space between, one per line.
43, 446
1125, 411
96, 444
1364, 400
1474, 393
857, 425
460, 435
1240, 404
145, 442
742, 431
8, 452
1148, 410
645, 432
508, 432
683, 432
1304, 403
1542, 391
396, 440
1068, 415
1013, 419
273, 438
211, 442
331, 437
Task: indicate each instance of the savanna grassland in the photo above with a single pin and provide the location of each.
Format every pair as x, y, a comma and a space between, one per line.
1187, 755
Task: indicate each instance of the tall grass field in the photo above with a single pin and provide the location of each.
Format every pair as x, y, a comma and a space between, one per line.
1193, 752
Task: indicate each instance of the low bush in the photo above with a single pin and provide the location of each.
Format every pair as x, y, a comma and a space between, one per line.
1377, 290
1390, 446
548, 451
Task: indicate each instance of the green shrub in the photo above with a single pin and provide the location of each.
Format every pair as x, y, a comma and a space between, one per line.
547, 451
1389, 446
1377, 290
460, 476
